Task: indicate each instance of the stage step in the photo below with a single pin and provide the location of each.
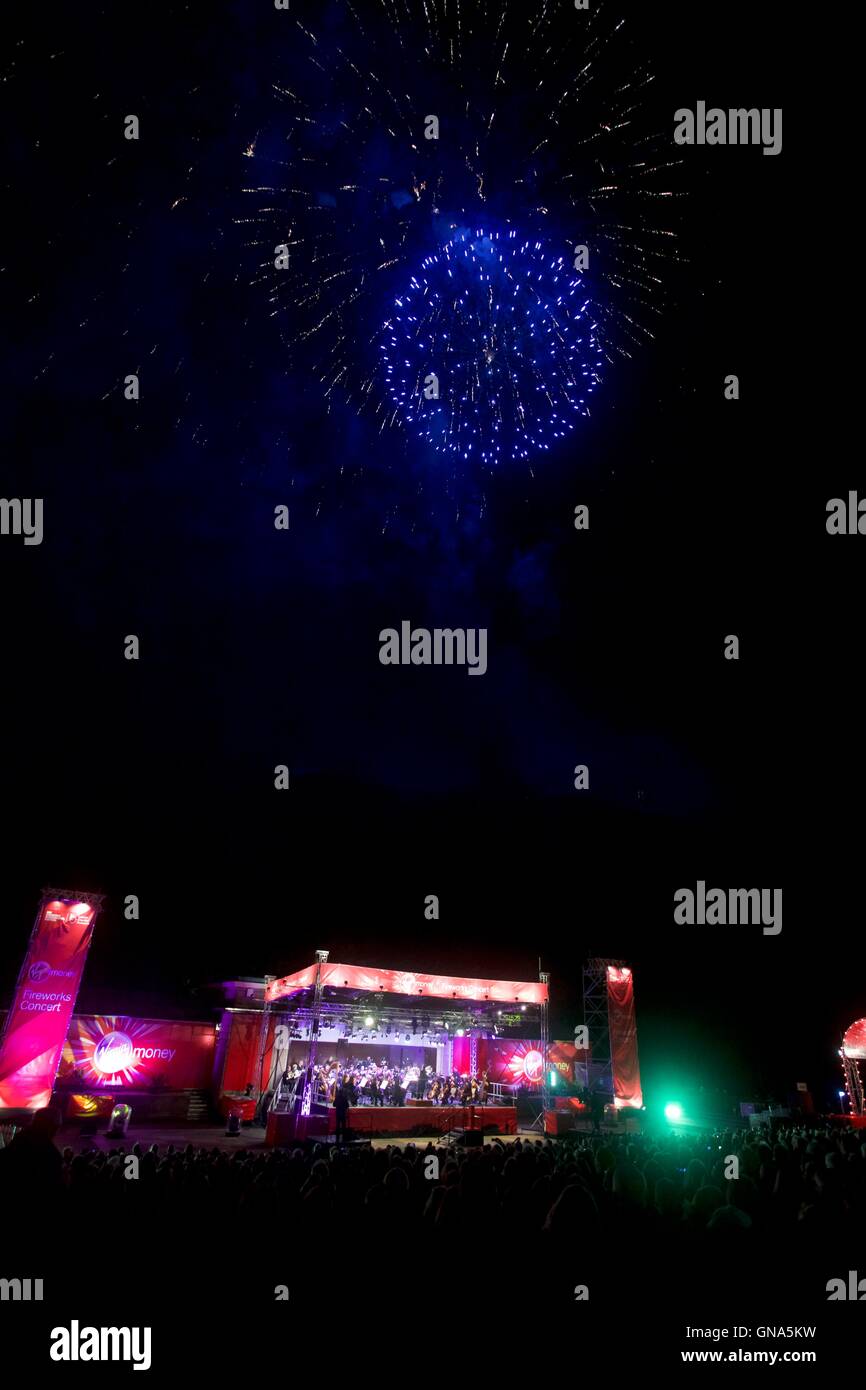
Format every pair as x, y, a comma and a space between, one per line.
198, 1107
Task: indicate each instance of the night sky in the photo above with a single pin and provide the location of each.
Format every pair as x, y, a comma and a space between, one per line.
261, 647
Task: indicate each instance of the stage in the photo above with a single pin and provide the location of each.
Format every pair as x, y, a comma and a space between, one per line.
363, 1120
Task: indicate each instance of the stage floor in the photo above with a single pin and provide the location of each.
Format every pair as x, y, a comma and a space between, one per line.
210, 1136
364, 1120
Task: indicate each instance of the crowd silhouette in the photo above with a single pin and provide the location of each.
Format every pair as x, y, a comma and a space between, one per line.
814, 1176
801, 1188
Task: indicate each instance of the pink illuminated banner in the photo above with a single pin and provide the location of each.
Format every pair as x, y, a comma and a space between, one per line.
623, 1037
37, 1023
516, 1061
410, 982
511, 1061
115, 1051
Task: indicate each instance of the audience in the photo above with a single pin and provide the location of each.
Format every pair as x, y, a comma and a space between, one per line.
578, 1193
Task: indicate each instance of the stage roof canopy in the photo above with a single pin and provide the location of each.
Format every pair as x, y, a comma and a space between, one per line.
407, 982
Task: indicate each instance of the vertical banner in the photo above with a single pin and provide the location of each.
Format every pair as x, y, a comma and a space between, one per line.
623, 1037
38, 1021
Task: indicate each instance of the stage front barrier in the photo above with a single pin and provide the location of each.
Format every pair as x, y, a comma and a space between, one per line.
367, 1120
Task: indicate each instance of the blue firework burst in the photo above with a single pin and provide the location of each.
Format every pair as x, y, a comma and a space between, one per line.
492, 353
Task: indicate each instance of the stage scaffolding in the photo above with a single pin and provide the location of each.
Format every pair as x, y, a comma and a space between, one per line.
598, 1070
852, 1053
262, 1105
469, 1012
853, 1085
544, 1030
544, 977
273, 1091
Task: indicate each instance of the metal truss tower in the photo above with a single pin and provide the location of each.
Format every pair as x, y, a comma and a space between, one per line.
544, 977
598, 1072
315, 1015
853, 1085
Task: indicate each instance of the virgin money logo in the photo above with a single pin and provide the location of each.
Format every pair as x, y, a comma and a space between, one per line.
114, 1052
533, 1066
530, 1066
41, 970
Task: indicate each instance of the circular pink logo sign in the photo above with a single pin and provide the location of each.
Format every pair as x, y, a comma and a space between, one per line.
533, 1066
113, 1053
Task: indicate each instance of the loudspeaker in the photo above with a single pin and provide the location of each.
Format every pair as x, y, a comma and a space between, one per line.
472, 1139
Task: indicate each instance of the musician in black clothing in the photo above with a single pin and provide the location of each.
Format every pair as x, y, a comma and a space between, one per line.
596, 1111
341, 1106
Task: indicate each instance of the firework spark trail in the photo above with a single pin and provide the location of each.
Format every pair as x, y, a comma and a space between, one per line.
491, 320
542, 126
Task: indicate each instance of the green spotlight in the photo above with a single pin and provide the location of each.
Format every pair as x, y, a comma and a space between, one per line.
673, 1111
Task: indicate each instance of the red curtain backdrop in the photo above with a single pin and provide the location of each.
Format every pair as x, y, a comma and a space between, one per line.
623, 1037
241, 1056
460, 1055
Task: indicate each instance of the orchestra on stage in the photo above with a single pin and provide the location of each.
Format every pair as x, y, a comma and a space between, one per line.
370, 1083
